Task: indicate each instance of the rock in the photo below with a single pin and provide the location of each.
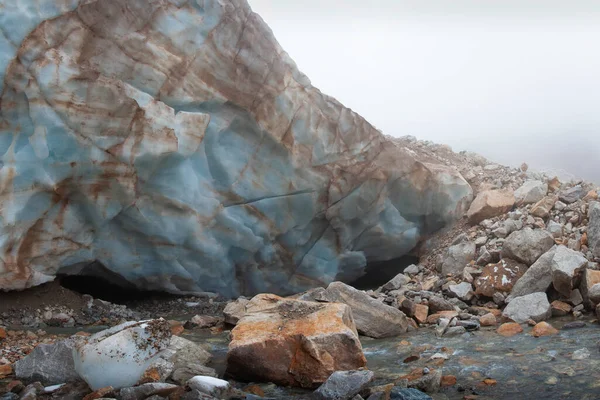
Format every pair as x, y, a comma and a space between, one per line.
372, 318
185, 357
430, 382
396, 283
537, 278
581, 354
407, 394
343, 385
542, 208
543, 329
531, 192
490, 204
421, 313
5, 370
509, 329
202, 321
211, 386
235, 310
560, 309
119, 356
203, 158
49, 364
499, 277
488, 319
458, 257
146, 390
555, 229
463, 291
527, 245
593, 232
412, 270
574, 325
307, 342
575, 298
567, 267
437, 304
469, 325
455, 331
533, 306
594, 294
589, 278
572, 195
197, 395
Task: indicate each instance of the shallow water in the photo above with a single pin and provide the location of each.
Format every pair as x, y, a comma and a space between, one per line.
523, 366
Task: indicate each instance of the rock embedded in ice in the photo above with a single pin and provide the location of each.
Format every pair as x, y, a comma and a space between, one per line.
119, 356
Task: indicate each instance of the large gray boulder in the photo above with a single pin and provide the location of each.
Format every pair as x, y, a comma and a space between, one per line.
49, 364
593, 232
177, 144
372, 317
527, 245
537, 278
531, 192
572, 195
567, 267
533, 306
458, 257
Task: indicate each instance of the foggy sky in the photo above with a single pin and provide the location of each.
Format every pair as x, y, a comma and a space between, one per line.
517, 81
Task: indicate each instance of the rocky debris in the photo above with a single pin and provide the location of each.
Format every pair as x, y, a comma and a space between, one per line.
543, 329
499, 277
182, 360
211, 386
567, 267
458, 257
119, 356
49, 364
323, 335
489, 204
509, 329
573, 194
343, 385
146, 390
235, 310
372, 318
542, 208
533, 306
531, 192
537, 278
527, 245
593, 231
463, 291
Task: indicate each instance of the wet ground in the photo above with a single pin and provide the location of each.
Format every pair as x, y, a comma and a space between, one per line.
563, 366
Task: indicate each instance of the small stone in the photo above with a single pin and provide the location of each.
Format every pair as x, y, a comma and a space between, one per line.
455, 331
396, 283
542, 208
532, 306
575, 298
437, 304
457, 258
448, 380
581, 354
211, 386
421, 313
471, 325
412, 270
2, 333
343, 385
574, 325
5, 370
543, 329
531, 192
555, 229
509, 329
463, 291
488, 319
146, 390
100, 393
202, 322
560, 309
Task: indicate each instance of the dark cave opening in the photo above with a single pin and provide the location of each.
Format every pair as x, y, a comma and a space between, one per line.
103, 289
380, 272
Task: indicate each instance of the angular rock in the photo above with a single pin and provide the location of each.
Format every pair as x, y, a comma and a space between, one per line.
421, 313
396, 283
533, 306
594, 294
211, 386
458, 257
542, 208
509, 329
531, 192
49, 364
372, 318
184, 356
408, 394
437, 304
543, 329
463, 291
146, 390
343, 385
307, 342
490, 204
593, 232
575, 298
567, 267
560, 309
235, 310
573, 194
488, 319
183, 374
412, 270
527, 245
555, 229
119, 356
537, 278
176, 143
500, 277
588, 280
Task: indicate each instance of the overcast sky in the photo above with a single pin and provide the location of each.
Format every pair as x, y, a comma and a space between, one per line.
513, 80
